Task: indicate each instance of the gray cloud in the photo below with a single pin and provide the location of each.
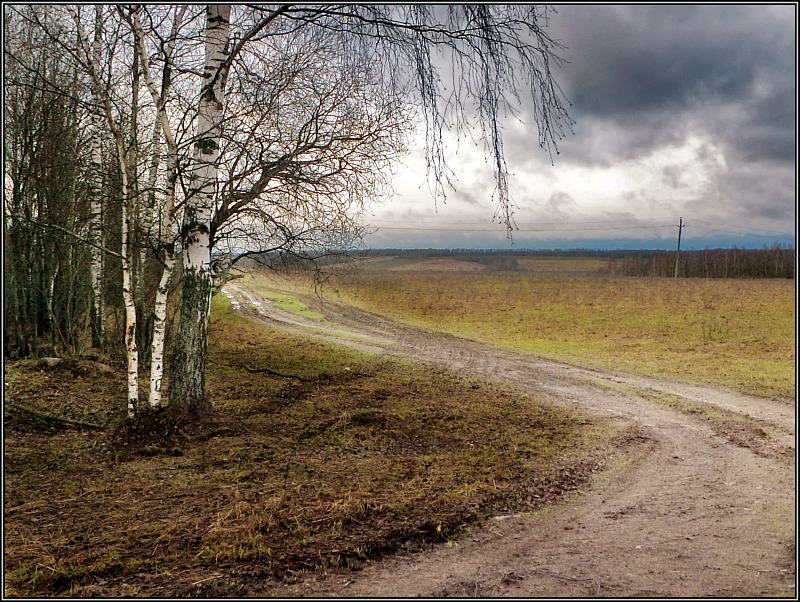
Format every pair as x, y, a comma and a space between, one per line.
671, 175
653, 70
466, 196
647, 78
559, 202
644, 77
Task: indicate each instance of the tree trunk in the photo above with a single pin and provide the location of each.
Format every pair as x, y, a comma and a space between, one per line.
148, 212
159, 330
166, 223
96, 206
131, 350
51, 315
162, 293
127, 175
187, 388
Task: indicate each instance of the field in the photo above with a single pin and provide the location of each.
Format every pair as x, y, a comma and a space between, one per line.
735, 333
317, 457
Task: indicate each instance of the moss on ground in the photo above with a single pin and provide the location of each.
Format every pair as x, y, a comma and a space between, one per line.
290, 303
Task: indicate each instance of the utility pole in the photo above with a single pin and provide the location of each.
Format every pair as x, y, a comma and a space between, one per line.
678, 252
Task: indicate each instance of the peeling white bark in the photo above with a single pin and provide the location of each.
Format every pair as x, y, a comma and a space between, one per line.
168, 224
149, 212
96, 205
200, 204
131, 350
159, 330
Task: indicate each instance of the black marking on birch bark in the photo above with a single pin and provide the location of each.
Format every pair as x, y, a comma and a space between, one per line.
195, 229
206, 146
209, 95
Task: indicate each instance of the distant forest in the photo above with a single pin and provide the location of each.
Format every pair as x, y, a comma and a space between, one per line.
775, 262
769, 262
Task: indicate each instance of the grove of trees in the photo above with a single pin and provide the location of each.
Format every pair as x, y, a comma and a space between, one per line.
773, 262
148, 148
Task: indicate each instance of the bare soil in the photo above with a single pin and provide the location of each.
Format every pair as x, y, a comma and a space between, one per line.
704, 509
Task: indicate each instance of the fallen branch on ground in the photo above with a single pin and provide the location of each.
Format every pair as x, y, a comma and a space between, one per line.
50, 418
273, 372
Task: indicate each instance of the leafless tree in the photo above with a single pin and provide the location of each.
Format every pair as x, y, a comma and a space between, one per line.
249, 129
493, 51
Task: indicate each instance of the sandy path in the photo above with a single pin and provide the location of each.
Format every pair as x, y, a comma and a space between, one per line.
693, 515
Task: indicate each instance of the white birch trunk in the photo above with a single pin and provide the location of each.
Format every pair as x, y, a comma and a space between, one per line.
197, 253
159, 330
131, 350
96, 205
137, 267
188, 367
51, 316
148, 213
165, 234
168, 224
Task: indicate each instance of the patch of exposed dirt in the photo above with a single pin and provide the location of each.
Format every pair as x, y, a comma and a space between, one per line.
702, 514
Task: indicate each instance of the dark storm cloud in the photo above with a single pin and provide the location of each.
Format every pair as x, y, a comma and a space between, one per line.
657, 57
754, 192
640, 75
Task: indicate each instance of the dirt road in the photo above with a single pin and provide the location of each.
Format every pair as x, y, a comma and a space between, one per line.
696, 513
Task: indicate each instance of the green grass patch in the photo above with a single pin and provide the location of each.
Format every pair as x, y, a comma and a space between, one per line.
346, 456
290, 303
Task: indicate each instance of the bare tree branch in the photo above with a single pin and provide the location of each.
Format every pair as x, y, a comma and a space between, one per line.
68, 233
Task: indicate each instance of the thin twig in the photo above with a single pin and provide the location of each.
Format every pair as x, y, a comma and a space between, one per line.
69, 233
207, 579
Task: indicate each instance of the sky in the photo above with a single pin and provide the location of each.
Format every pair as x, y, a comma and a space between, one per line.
681, 111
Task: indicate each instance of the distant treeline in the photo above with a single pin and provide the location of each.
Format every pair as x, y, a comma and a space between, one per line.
462, 253
299, 259
775, 262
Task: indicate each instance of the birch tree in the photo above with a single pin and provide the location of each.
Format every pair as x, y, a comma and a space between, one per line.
96, 188
167, 225
126, 173
188, 370
494, 52
280, 124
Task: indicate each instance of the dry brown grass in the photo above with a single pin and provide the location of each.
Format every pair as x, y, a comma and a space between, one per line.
356, 457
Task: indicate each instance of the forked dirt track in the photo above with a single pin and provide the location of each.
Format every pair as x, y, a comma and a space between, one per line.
690, 514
